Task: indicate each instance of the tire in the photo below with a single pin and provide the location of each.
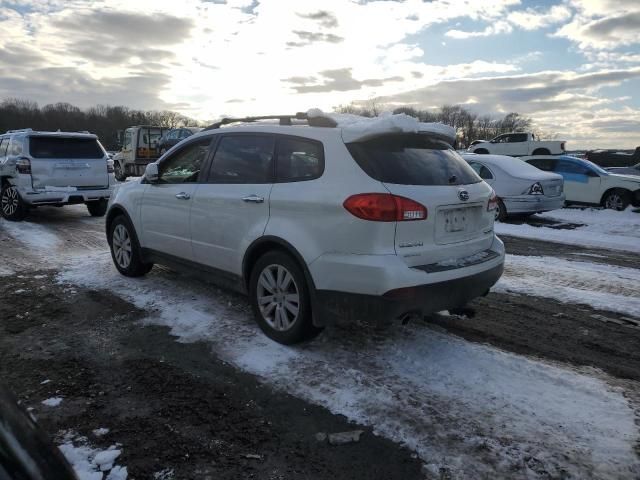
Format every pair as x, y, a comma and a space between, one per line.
12, 207
97, 208
276, 276
125, 249
118, 172
481, 151
541, 151
500, 212
617, 199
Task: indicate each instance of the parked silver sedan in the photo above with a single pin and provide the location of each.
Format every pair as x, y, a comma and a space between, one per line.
521, 188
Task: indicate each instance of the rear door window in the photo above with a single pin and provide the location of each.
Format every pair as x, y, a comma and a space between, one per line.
481, 170
243, 159
412, 160
299, 160
64, 147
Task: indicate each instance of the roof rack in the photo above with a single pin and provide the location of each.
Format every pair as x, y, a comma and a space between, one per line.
284, 120
20, 130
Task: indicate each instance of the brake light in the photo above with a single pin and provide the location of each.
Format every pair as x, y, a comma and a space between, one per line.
384, 207
23, 165
493, 202
110, 166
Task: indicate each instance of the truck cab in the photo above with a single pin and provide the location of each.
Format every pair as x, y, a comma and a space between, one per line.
139, 148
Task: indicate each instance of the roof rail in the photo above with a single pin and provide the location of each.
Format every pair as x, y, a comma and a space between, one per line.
284, 120
20, 130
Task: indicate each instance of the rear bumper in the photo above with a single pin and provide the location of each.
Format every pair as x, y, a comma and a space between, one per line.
532, 203
64, 196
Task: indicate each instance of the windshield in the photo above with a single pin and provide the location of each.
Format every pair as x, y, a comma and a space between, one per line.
64, 147
412, 160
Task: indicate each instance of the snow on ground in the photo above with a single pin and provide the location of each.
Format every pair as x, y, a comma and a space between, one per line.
52, 402
604, 287
469, 408
90, 463
602, 228
38, 237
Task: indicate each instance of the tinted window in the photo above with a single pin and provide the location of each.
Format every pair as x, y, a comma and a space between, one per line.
518, 137
61, 147
299, 160
412, 160
545, 164
481, 170
184, 165
570, 167
243, 159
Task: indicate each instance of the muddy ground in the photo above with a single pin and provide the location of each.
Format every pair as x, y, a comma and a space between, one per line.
175, 406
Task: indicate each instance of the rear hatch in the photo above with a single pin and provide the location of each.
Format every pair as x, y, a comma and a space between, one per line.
67, 161
147, 145
426, 170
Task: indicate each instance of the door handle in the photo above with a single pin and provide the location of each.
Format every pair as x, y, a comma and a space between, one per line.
183, 196
253, 199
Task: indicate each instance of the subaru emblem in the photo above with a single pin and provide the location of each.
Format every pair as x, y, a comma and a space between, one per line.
463, 195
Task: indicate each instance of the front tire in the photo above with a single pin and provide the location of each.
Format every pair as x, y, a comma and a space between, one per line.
616, 200
500, 212
125, 249
12, 207
97, 208
280, 299
118, 172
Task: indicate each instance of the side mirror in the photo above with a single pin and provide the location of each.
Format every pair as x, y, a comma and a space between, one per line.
151, 173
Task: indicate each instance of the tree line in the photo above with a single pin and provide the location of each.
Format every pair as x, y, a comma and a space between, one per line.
103, 120
106, 121
469, 126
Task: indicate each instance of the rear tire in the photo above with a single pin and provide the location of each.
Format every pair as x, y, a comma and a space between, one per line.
118, 172
501, 211
280, 299
12, 207
125, 249
541, 151
97, 208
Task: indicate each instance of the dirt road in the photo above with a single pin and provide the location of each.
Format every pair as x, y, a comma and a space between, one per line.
435, 398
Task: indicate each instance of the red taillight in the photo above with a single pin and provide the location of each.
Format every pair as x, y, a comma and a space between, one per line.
493, 202
23, 165
384, 207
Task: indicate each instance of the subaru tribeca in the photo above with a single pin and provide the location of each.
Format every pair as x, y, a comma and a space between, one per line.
318, 218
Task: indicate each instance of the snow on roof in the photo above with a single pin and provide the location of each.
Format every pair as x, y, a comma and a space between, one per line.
357, 128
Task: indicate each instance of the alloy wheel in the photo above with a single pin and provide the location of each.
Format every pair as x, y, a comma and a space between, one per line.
122, 249
614, 201
10, 201
278, 297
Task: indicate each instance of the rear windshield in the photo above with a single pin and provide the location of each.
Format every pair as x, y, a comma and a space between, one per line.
61, 147
412, 160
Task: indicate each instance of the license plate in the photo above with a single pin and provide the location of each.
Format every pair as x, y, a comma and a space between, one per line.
456, 220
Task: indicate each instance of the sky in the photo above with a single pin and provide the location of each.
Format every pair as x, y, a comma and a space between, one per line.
573, 66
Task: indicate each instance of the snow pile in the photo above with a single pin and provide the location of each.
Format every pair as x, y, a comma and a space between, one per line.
469, 408
602, 228
90, 463
358, 128
99, 432
52, 402
605, 287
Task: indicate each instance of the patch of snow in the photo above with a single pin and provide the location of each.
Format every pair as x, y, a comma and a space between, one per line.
99, 432
20, 290
604, 287
470, 408
166, 474
359, 128
5, 271
90, 463
44, 382
602, 228
33, 235
52, 402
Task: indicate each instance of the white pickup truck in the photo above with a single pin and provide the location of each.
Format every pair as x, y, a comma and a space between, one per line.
518, 144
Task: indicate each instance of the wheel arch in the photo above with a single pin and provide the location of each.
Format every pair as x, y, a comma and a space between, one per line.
114, 211
622, 190
541, 151
481, 151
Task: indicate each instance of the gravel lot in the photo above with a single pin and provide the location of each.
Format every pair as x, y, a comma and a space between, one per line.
543, 382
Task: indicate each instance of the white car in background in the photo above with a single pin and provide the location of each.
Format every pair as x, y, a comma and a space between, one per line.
521, 188
585, 183
346, 217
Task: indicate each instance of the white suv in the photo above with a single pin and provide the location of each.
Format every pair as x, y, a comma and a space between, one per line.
342, 217
53, 168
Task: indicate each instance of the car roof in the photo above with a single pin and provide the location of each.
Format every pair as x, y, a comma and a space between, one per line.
511, 165
37, 133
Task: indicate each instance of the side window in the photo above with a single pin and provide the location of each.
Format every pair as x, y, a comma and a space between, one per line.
243, 159
299, 160
127, 139
519, 137
481, 170
4, 143
571, 167
173, 135
15, 148
184, 133
545, 164
185, 164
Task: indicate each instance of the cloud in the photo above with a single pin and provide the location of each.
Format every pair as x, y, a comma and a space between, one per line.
532, 19
311, 37
336, 80
495, 29
324, 18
